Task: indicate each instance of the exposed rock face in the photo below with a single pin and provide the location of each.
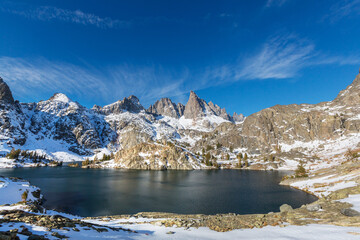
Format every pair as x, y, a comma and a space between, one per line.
129, 104
351, 95
306, 122
5, 93
197, 107
181, 109
156, 157
12, 120
221, 112
166, 107
238, 117
62, 119
125, 125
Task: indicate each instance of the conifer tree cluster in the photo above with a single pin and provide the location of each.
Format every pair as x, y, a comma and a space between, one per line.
208, 158
105, 157
25, 154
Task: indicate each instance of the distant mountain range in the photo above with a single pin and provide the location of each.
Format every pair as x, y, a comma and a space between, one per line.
62, 125
119, 125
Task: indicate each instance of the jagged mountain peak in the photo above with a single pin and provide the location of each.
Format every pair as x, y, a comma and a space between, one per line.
166, 107
128, 104
59, 104
60, 97
5, 92
238, 117
197, 107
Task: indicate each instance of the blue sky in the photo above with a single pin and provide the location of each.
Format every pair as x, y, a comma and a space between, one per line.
242, 55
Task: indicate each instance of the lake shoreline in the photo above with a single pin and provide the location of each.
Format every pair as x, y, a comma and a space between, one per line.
325, 210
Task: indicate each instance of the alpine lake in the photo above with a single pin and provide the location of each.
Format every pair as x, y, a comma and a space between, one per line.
100, 192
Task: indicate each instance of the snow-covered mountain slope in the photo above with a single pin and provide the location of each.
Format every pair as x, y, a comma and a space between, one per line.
62, 127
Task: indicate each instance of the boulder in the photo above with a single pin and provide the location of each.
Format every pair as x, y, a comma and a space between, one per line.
286, 208
313, 207
349, 212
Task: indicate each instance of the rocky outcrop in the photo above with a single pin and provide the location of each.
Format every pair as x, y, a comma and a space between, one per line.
351, 95
166, 107
12, 120
62, 119
197, 108
151, 156
125, 124
305, 122
5, 93
181, 109
238, 117
221, 112
129, 104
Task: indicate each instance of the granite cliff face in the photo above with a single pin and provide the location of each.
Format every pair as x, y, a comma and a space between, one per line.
129, 104
5, 93
166, 107
197, 108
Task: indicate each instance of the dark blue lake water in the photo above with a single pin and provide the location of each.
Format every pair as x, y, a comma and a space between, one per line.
95, 192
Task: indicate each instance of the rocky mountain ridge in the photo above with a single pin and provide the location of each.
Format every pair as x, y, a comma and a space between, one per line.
121, 125
197, 127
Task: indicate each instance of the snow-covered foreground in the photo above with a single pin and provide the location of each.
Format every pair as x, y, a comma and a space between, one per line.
147, 231
11, 191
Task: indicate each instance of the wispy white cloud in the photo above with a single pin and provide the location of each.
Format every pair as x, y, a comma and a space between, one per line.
278, 3
148, 83
280, 57
48, 13
34, 79
342, 9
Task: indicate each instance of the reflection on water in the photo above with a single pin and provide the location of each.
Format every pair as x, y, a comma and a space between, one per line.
95, 192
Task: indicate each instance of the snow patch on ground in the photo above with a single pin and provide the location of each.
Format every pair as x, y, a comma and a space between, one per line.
11, 191
354, 200
323, 186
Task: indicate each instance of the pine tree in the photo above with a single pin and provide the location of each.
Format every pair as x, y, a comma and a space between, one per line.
300, 171
207, 159
24, 196
239, 163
